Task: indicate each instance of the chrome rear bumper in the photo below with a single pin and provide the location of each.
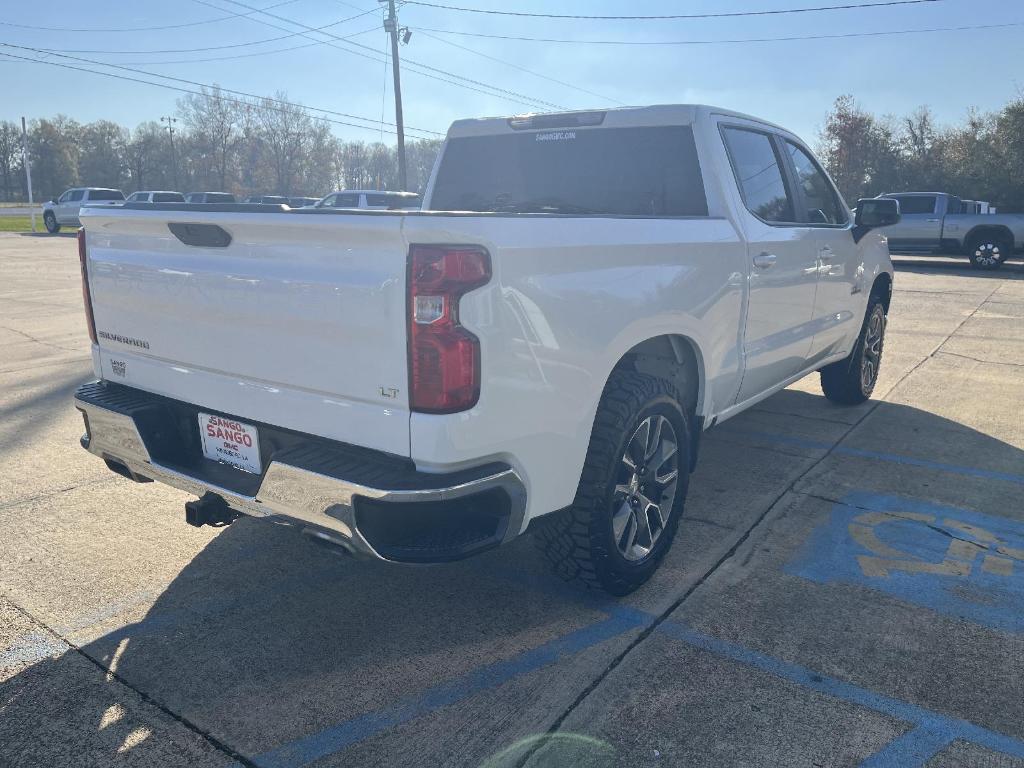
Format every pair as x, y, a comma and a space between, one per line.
323, 502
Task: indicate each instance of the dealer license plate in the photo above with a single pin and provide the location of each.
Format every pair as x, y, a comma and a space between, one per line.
230, 441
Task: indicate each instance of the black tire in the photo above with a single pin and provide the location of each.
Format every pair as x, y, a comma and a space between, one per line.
580, 542
988, 250
50, 222
848, 382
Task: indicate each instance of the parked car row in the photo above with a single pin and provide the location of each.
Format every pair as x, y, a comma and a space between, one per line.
63, 212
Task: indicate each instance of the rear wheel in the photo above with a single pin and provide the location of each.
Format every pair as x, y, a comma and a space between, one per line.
852, 380
988, 251
50, 221
631, 492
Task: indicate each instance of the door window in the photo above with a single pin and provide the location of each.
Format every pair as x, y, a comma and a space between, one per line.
64, 198
820, 197
76, 195
346, 201
759, 175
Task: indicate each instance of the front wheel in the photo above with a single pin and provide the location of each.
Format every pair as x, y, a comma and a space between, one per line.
631, 492
50, 222
852, 380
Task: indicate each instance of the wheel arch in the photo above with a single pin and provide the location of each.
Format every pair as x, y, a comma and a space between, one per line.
1000, 230
882, 287
675, 358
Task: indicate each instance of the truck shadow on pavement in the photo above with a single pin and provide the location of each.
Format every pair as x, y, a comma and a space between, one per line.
263, 639
1011, 270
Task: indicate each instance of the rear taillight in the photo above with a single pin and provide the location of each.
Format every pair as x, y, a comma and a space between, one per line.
444, 358
86, 296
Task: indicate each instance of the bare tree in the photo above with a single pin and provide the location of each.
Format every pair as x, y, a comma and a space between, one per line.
102, 154
212, 122
55, 153
284, 131
147, 157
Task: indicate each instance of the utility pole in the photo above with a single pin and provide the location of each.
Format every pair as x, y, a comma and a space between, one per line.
174, 163
28, 171
391, 26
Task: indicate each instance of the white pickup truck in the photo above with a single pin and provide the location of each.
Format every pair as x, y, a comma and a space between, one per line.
541, 347
63, 212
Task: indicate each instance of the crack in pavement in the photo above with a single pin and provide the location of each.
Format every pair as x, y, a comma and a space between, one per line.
212, 740
979, 360
30, 337
56, 492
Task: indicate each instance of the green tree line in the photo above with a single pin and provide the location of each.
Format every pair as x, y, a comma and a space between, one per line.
258, 146
981, 158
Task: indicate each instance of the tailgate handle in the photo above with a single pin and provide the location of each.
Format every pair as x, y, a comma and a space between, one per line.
201, 235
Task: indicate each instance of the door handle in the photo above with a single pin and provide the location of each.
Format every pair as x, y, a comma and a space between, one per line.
765, 260
933, 221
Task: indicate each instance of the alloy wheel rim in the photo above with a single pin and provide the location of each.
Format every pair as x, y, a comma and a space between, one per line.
645, 490
872, 352
987, 254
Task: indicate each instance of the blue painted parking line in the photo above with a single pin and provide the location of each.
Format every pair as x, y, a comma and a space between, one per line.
895, 458
915, 747
336, 738
953, 561
932, 731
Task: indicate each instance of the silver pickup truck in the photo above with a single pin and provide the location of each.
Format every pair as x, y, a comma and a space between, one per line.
933, 222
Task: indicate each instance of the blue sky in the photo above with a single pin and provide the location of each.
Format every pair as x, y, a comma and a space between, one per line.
790, 82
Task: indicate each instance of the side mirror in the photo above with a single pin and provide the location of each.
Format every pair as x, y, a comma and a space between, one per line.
53, 200
877, 212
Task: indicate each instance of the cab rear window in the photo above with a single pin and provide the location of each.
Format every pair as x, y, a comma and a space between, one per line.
105, 194
650, 172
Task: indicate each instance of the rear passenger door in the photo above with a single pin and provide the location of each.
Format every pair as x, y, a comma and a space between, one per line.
839, 299
920, 226
782, 253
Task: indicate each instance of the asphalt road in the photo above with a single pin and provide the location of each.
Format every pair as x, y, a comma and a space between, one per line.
847, 587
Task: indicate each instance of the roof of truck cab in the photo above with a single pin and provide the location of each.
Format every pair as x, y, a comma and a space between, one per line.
394, 192
916, 194
621, 117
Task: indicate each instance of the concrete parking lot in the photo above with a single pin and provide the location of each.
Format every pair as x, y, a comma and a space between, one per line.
847, 587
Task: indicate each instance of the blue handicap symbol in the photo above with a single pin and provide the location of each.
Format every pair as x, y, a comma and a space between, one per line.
951, 560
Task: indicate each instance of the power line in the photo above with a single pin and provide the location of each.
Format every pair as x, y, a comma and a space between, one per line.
178, 89
722, 15
211, 47
265, 99
522, 68
144, 29
417, 67
374, 28
794, 38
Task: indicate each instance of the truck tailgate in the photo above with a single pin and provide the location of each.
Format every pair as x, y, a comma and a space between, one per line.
298, 322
